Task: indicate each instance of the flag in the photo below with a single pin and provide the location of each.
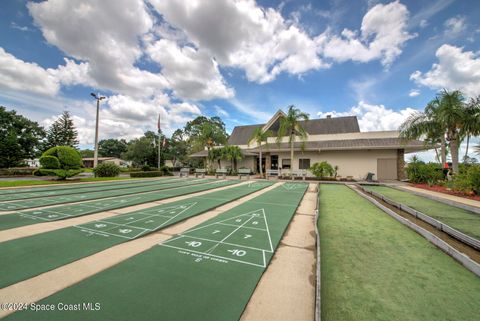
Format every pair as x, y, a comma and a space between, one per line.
158, 124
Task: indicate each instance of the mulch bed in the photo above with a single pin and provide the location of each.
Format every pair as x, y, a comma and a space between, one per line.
445, 190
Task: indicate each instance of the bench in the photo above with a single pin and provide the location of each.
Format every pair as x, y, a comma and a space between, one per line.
221, 171
272, 172
244, 172
300, 173
200, 172
185, 172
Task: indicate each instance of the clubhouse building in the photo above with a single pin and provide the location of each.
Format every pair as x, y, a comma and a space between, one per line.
335, 140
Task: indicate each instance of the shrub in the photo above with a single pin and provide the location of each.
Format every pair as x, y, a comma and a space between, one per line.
166, 171
323, 169
468, 181
68, 157
68, 162
419, 172
147, 168
146, 174
48, 161
106, 169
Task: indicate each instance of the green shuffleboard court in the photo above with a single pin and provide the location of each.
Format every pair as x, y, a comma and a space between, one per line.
27, 255
375, 268
457, 218
206, 273
61, 199
58, 187
8, 221
84, 189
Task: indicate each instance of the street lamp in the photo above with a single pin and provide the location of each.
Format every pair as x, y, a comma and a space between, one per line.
95, 155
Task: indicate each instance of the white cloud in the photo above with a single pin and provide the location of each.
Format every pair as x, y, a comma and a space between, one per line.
19, 75
374, 117
455, 25
244, 35
221, 112
455, 70
414, 93
382, 36
106, 35
192, 73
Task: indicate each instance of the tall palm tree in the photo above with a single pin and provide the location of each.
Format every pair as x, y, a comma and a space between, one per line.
259, 136
453, 114
472, 121
426, 124
290, 126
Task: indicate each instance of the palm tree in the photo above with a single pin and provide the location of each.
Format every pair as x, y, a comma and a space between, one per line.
290, 126
233, 154
426, 124
472, 121
259, 136
477, 149
453, 115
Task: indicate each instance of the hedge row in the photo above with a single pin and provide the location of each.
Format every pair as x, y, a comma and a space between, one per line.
146, 174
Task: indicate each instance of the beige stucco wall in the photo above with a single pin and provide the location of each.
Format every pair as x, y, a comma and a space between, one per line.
350, 163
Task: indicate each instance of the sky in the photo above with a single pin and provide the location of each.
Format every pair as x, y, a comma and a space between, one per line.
241, 60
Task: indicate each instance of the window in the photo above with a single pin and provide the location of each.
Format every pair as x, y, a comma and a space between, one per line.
304, 163
286, 163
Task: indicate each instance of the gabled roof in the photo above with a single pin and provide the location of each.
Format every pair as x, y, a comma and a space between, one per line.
337, 125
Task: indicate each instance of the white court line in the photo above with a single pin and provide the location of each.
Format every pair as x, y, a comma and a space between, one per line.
227, 243
227, 219
85, 229
226, 237
218, 256
253, 228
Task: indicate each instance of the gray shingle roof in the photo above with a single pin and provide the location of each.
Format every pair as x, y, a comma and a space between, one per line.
363, 143
337, 125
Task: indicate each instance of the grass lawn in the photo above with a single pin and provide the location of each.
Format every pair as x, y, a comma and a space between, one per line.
374, 268
16, 183
460, 219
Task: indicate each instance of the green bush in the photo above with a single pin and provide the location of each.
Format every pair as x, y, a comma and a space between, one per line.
147, 168
106, 169
166, 171
68, 157
321, 170
68, 164
419, 172
60, 173
48, 161
146, 174
468, 180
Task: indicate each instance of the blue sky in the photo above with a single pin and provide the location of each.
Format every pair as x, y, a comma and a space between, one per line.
240, 60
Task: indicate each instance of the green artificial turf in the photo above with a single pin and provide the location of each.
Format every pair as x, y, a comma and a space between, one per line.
61, 199
375, 268
176, 281
37, 254
84, 188
15, 183
8, 221
457, 218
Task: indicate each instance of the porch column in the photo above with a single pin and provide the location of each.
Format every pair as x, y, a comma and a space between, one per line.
268, 161
400, 164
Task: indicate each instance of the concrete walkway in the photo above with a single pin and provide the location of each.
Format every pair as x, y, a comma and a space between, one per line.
286, 291
449, 197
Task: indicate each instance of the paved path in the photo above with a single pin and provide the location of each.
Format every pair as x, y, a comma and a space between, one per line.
454, 198
294, 263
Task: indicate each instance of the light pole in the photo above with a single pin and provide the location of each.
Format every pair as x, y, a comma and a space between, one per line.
95, 155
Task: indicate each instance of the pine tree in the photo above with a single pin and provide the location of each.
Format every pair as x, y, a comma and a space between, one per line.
62, 132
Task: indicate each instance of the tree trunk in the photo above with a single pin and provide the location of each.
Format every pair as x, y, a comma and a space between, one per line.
454, 152
291, 156
466, 152
437, 157
260, 163
443, 150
